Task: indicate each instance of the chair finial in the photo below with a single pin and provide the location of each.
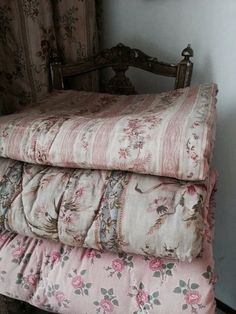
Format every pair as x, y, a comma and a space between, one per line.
187, 53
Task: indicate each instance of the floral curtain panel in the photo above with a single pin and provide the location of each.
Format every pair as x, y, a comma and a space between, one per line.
32, 29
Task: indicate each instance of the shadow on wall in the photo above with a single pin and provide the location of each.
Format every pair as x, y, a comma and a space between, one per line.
200, 75
146, 82
150, 83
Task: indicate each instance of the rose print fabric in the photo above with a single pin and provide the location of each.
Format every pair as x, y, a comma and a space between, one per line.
105, 210
68, 280
169, 134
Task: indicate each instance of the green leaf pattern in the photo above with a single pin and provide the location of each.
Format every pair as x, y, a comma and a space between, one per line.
191, 296
108, 301
79, 286
145, 300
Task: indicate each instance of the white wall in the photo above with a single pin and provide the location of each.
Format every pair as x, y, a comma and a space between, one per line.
162, 28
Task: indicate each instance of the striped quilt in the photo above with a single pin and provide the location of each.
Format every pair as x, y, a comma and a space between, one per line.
169, 134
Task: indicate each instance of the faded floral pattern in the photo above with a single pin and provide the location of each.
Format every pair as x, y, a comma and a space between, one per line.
24, 75
192, 296
135, 134
146, 284
61, 204
150, 140
145, 300
58, 257
210, 275
57, 296
118, 265
18, 252
78, 284
107, 303
91, 255
28, 281
160, 268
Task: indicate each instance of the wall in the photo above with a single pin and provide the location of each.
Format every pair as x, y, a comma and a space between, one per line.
163, 28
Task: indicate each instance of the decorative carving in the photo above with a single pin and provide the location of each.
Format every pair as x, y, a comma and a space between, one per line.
120, 58
120, 83
187, 53
121, 55
185, 69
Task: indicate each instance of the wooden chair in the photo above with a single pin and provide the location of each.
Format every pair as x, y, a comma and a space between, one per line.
120, 58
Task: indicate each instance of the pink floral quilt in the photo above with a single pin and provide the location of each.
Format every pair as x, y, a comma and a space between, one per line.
105, 210
168, 134
68, 280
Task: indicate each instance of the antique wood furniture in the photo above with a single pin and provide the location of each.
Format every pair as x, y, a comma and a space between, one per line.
120, 58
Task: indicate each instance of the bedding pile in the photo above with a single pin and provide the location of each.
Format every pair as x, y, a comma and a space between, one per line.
106, 202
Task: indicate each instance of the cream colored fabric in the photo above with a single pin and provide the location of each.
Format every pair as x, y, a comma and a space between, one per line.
169, 134
105, 210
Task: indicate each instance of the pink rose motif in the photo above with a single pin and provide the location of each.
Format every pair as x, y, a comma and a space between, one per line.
32, 279
77, 282
40, 211
18, 252
90, 253
193, 156
192, 297
155, 264
141, 297
124, 153
152, 119
60, 296
55, 256
118, 265
80, 192
191, 189
3, 237
67, 217
134, 124
107, 305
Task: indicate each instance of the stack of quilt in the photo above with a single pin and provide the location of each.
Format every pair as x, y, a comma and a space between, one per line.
106, 202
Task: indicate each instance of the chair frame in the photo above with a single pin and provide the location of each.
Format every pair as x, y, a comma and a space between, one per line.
120, 58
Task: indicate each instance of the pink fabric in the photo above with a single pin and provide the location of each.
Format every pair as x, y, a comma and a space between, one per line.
111, 210
169, 134
70, 280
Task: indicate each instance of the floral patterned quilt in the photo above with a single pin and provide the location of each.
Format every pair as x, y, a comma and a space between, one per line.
68, 280
105, 210
168, 134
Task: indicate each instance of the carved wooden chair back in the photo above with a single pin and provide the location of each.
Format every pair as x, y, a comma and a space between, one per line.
120, 58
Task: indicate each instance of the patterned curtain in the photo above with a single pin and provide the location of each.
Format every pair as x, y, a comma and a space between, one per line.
30, 31
76, 34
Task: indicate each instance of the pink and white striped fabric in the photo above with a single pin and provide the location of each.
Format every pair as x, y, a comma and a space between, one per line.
168, 134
